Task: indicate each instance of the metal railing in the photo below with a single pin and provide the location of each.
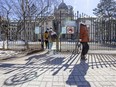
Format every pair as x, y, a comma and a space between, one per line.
102, 33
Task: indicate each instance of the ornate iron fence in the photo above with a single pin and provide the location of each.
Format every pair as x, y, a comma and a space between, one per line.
102, 32
18, 38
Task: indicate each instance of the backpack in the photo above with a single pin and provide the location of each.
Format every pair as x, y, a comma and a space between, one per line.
54, 36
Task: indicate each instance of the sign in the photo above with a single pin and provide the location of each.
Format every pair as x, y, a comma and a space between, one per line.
37, 30
63, 30
70, 30
70, 23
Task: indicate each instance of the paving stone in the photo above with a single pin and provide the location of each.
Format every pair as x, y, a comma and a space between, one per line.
49, 84
93, 72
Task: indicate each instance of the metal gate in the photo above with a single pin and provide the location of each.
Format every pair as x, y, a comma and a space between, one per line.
102, 32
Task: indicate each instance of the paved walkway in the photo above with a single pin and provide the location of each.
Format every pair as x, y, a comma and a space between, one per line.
59, 70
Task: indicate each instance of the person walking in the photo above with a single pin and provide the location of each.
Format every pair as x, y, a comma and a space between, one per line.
46, 39
52, 40
84, 39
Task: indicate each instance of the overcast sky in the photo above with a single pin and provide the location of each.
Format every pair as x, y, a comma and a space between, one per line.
85, 6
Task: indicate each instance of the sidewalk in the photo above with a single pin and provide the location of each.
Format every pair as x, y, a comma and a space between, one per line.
60, 70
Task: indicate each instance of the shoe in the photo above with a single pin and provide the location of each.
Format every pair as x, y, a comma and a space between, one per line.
83, 58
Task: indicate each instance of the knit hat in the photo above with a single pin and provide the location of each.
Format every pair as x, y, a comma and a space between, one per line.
82, 23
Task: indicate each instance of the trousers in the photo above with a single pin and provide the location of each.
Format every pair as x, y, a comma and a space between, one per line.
85, 48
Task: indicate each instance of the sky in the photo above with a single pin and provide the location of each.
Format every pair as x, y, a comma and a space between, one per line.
83, 6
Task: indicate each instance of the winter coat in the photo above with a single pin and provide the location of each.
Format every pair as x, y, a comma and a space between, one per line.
46, 36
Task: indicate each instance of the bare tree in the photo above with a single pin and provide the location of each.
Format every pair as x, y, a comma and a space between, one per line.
26, 11
5, 25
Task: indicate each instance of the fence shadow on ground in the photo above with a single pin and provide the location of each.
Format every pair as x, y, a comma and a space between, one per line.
101, 60
33, 68
67, 62
21, 77
39, 64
